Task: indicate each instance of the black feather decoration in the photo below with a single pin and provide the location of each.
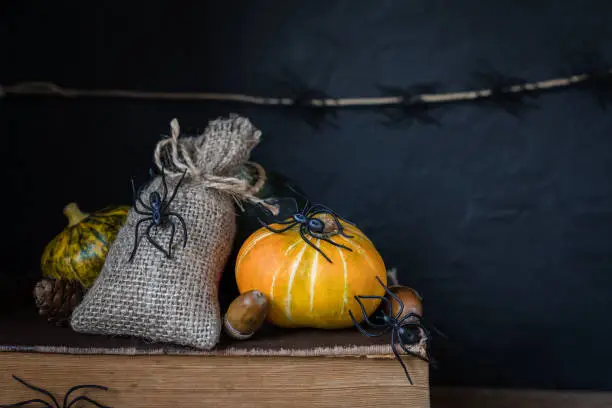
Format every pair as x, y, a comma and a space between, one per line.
411, 110
600, 85
599, 78
302, 94
502, 96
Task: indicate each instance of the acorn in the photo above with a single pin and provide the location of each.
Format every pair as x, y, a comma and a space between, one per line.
245, 315
410, 298
412, 302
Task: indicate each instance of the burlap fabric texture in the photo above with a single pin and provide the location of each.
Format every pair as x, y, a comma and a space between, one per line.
176, 300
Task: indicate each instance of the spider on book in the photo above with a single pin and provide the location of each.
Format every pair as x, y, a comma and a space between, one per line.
407, 329
66, 404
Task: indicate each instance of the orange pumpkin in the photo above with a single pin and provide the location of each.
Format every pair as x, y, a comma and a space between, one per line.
305, 289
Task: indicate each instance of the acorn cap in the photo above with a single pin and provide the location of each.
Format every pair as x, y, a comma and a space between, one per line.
235, 333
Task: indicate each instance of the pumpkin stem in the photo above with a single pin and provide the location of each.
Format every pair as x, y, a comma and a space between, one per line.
74, 214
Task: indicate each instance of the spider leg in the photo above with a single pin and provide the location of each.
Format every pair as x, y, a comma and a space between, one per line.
304, 210
37, 389
294, 201
326, 209
137, 211
32, 401
85, 398
172, 230
394, 296
175, 191
427, 359
335, 243
304, 228
284, 222
140, 221
425, 331
279, 222
278, 231
421, 325
394, 334
410, 315
422, 329
137, 199
365, 316
335, 218
277, 200
152, 241
434, 328
78, 387
428, 335
361, 329
184, 227
384, 299
290, 187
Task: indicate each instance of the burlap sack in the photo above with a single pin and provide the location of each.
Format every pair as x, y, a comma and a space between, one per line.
175, 300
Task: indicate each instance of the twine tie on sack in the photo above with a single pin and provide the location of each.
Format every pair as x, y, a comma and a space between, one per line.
176, 160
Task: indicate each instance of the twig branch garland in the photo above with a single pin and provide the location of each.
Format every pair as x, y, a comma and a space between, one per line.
399, 105
51, 89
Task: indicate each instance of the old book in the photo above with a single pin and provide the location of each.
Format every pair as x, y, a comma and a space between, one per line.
290, 368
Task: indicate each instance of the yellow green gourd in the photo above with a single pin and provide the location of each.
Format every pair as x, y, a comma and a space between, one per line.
79, 251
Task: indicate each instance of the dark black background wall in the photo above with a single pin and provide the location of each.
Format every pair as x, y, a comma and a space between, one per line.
503, 224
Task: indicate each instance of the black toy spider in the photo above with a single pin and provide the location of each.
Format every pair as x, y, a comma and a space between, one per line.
158, 215
405, 329
311, 225
56, 404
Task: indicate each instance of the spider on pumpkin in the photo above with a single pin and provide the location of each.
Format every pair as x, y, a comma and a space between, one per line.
158, 215
309, 224
56, 404
406, 328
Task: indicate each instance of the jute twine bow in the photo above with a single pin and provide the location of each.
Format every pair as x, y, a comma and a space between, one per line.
181, 161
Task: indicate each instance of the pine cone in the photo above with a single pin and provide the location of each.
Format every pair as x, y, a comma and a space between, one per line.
57, 298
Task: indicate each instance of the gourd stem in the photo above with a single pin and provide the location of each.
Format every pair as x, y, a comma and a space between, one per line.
74, 214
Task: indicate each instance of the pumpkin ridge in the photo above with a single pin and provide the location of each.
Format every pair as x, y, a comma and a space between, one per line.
281, 267
93, 220
292, 246
273, 283
313, 275
112, 211
60, 256
114, 219
96, 233
79, 242
358, 247
71, 259
250, 244
50, 258
295, 267
345, 295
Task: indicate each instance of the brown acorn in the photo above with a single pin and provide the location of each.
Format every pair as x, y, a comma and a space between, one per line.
245, 315
410, 298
